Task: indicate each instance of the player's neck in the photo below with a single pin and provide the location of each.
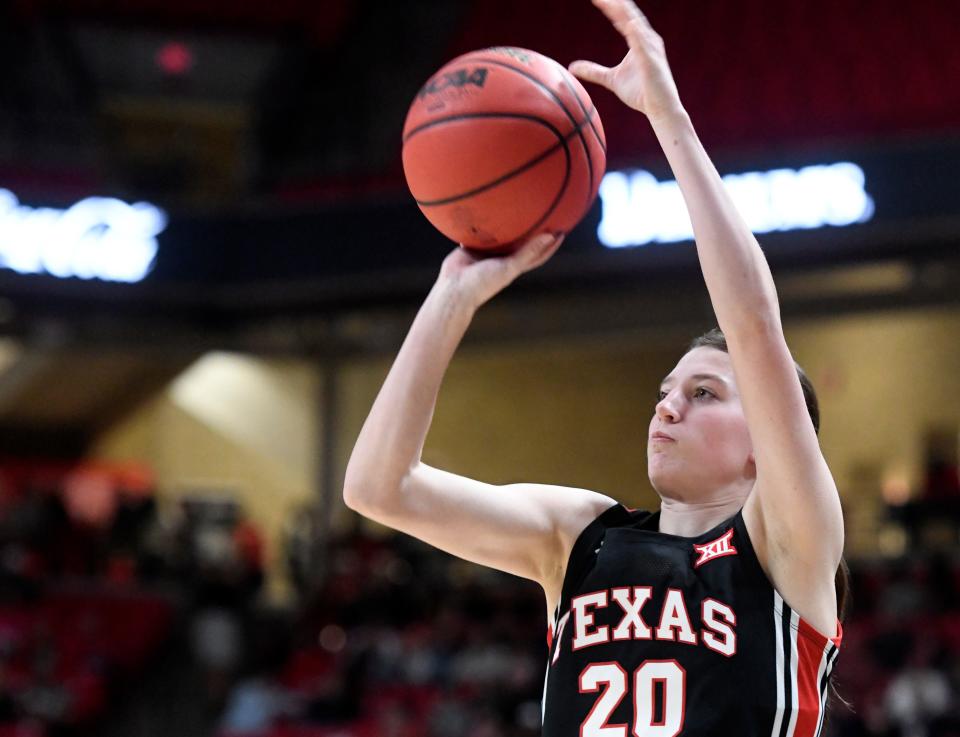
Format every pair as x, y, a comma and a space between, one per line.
688, 519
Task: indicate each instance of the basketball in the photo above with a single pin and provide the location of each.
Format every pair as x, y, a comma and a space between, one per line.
502, 144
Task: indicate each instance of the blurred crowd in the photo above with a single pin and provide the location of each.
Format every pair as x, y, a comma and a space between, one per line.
900, 662
386, 637
94, 581
403, 640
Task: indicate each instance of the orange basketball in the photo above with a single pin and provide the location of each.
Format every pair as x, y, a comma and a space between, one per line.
502, 144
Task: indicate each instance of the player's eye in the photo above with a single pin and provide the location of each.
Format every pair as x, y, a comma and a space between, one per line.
661, 395
702, 393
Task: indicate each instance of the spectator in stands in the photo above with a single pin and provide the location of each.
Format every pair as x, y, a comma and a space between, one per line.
255, 704
903, 596
920, 696
217, 648
46, 697
8, 704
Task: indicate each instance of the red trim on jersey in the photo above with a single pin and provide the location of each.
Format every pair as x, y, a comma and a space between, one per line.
807, 630
549, 635
810, 703
813, 649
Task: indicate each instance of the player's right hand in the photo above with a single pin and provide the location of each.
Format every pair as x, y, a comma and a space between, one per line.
477, 278
643, 79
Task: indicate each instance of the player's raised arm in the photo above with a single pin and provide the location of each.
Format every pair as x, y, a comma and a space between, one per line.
795, 491
521, 528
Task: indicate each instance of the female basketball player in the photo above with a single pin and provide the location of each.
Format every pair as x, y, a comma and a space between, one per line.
716, 615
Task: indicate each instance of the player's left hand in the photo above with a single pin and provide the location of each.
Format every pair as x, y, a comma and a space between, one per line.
476, 278
643, 79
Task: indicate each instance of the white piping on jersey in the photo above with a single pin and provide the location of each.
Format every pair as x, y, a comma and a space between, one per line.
794, 687
821, 670
824, 668
557, 630
543, 699
563, 623
778, 635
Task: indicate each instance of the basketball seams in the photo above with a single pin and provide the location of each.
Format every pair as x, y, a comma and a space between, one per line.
561, 142
578, 127
589, 115
485, 114
426, 146
589, 119
556, 200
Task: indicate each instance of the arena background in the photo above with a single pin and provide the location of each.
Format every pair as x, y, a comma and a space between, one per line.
176, 557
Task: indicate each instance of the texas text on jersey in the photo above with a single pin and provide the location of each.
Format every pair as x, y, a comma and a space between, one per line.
657, 635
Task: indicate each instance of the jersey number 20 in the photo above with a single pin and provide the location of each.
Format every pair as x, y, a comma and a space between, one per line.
612, 679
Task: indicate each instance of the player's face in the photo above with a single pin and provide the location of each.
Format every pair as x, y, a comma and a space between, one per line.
707, 449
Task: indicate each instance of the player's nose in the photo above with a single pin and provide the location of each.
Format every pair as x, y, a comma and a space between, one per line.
669, 409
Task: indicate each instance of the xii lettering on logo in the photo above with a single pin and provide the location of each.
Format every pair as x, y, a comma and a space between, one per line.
715, 549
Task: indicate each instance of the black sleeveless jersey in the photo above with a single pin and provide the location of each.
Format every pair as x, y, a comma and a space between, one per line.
657, 635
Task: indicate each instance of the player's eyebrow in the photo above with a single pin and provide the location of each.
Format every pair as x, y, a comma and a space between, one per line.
697, 377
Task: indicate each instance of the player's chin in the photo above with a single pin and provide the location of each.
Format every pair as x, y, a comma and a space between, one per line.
659, 471
661, 483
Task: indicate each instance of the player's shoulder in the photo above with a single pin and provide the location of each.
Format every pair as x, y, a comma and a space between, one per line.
589, 523
579, 509
588, 508
585, 528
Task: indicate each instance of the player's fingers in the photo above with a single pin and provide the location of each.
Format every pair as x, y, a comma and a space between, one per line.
530, 253
627, 19
548, 252
592, 72
460, 257
622, 11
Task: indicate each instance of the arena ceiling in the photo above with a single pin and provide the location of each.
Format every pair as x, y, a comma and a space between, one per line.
218, 105
203, 103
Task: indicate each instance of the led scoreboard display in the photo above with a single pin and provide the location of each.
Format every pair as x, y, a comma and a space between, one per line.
637, 209
97, 238
814, 209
